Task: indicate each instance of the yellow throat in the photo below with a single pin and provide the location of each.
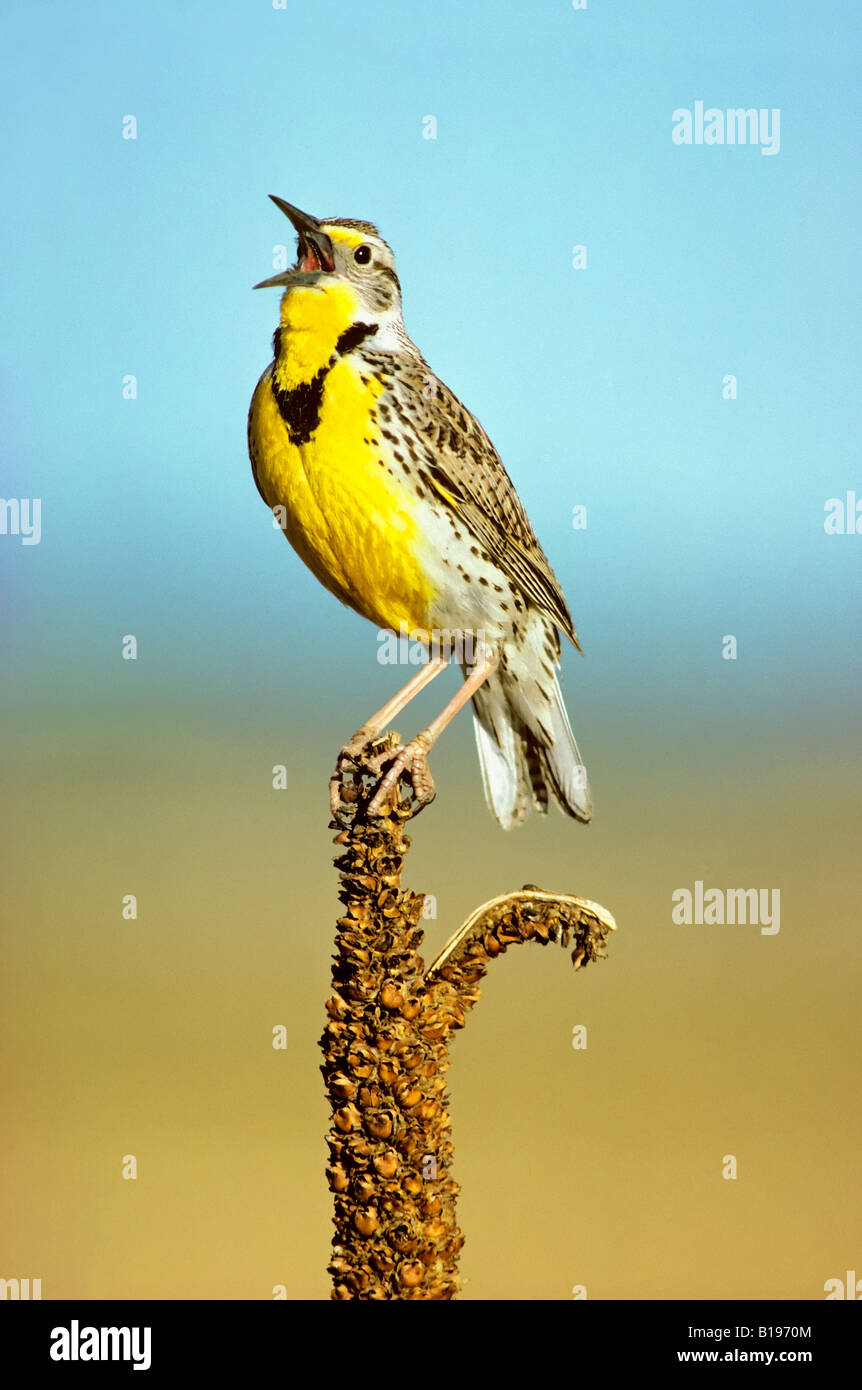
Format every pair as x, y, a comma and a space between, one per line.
322, 464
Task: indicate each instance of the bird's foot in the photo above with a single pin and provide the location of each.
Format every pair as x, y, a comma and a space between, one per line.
412, 761
356, 754
384, 760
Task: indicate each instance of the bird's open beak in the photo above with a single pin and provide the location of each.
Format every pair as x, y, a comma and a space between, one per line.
315, 250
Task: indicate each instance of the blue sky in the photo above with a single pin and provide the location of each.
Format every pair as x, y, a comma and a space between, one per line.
600, 386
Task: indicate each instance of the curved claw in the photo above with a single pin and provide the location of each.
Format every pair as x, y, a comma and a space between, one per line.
348, 757
413, 759
358, 753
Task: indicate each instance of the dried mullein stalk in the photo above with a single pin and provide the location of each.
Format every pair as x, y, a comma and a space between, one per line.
386, 1045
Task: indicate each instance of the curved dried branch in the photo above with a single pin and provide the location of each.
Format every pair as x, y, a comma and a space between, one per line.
530, 914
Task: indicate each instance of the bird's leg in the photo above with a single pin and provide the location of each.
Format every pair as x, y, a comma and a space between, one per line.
414, 754
374, 726
377, 723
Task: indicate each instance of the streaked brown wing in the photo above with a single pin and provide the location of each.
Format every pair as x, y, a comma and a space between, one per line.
469, 474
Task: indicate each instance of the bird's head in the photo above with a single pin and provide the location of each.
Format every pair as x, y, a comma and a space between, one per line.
345, 260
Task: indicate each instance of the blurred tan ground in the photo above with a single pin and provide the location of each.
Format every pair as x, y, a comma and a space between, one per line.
600, 1168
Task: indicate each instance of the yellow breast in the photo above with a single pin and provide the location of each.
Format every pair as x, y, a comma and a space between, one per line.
345, 513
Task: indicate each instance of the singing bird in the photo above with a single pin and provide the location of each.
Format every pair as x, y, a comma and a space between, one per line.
396, 499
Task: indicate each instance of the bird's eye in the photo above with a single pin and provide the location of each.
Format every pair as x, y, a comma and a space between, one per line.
362, 255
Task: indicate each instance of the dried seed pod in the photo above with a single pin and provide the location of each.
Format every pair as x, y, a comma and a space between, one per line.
383, 1262
404, 1237
508, 937
413, 1141
364, 990
386, 1163
412, 1058
365, 1221
359, 1148
348, 1118
380, 1123
435, 1228
338, 1179
408, 1094
363, 1187
391, 996
411, 1274
361, 1062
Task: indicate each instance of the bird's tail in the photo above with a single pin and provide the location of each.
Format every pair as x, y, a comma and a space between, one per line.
527, 750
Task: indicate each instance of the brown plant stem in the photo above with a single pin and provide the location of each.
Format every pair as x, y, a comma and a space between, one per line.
386, 1045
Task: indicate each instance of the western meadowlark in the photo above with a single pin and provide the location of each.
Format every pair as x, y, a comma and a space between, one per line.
396, 499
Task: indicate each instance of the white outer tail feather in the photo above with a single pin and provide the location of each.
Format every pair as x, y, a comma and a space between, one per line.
527, 750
